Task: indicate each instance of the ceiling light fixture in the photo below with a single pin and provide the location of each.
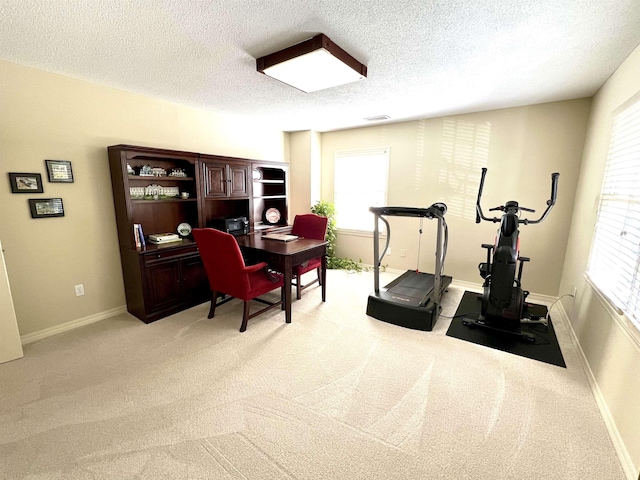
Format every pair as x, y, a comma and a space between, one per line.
312, 65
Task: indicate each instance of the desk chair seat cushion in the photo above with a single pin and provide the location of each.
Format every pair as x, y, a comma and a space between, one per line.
260, 281
312, 264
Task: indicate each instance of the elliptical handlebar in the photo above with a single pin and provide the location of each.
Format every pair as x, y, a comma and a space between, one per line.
550, 203
479, 214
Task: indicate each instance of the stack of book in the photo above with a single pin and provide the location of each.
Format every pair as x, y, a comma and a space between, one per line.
164, 237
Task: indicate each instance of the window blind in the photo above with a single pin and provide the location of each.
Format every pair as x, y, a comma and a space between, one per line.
360, 182
614, 265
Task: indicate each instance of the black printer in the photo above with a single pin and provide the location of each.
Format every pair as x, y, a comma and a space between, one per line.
234, 226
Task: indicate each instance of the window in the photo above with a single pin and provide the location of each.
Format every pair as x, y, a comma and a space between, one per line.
359, 182
614, 266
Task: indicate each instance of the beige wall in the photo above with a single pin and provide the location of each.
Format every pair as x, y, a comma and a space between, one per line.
439, 160
51, 116
48, 116
611, 347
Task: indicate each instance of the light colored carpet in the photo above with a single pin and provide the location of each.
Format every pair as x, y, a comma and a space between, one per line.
333, 395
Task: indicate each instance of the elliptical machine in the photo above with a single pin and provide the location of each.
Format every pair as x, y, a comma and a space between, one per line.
503, 299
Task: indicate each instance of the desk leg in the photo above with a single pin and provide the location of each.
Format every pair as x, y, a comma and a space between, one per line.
287, 288
323, 274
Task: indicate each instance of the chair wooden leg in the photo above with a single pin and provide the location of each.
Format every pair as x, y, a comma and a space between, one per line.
245, 316
298, 287
319, 276
212, 310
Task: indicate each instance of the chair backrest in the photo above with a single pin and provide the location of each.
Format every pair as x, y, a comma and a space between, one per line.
310, 225
222, 261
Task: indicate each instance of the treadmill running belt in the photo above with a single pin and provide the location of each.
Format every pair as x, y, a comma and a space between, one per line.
412, 284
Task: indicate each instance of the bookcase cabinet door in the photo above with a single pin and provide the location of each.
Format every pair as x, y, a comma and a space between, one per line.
238, 180
163, 286
224, 180
215, 180
173, 281
195, 285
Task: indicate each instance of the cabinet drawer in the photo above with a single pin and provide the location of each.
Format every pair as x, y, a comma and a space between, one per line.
151, 258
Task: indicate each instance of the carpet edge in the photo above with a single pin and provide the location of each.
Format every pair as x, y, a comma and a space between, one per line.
616, 439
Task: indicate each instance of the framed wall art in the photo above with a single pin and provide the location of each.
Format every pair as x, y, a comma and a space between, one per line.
59, 171
25, 183
46, 207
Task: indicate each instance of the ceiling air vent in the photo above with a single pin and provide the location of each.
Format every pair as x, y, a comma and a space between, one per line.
377, 118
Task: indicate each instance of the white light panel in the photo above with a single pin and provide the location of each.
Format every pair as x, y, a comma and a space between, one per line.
314, 71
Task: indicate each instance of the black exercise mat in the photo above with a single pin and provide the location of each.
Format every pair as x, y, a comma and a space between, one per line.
544, 349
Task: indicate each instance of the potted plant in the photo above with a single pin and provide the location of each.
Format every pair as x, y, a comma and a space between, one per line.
327, 209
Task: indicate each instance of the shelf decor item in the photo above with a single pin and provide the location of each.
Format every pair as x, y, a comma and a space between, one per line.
59, 171
184, 229
46, 207
25, 183
136, 192
272, 215
146, 171
171, 192
153, 190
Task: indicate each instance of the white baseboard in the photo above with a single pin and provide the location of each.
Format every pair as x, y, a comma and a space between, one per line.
47, 332
618, 443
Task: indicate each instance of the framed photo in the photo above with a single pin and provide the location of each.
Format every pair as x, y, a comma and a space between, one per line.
46, 207
25, 183
59, 171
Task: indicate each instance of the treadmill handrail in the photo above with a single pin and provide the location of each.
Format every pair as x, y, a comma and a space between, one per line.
436, 210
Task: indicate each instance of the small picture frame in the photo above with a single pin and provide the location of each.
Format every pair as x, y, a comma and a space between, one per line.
26, 183
59, 171
46, 207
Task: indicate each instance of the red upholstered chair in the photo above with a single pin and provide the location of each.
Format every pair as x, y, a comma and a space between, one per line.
229, 275
311, 226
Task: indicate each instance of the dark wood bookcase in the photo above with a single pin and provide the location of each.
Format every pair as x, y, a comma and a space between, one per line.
164, 279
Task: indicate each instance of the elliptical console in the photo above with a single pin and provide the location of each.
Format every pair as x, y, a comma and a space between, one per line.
503, 298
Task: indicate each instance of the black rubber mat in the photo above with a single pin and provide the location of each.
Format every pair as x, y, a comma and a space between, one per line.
545, 348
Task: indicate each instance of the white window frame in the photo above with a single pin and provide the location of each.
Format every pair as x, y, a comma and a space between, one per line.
614, 263
355, 183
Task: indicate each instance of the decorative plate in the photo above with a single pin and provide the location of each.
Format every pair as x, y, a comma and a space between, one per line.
184, 229
272, 215
257, 175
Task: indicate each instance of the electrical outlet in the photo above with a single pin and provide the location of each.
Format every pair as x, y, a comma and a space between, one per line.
388, 251
79, 290
403, 253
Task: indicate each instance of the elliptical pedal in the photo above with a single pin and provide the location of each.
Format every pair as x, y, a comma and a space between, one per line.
473, 322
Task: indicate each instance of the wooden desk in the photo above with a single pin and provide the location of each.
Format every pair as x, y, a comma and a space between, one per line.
283, 256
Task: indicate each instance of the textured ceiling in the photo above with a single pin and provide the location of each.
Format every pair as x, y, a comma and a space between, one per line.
425, 58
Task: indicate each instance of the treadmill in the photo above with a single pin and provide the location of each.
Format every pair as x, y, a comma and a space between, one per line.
413, 299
